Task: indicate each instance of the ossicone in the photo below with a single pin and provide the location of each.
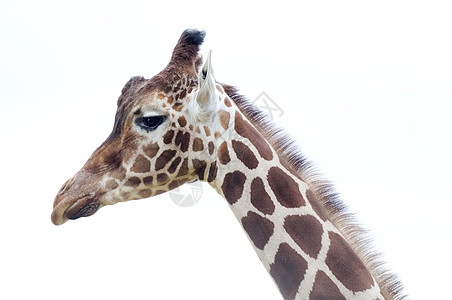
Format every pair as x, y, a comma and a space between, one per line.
185, 54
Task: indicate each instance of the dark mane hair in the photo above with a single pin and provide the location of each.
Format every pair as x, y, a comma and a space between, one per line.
345, 221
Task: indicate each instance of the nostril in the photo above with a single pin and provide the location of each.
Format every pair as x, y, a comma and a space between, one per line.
65, 186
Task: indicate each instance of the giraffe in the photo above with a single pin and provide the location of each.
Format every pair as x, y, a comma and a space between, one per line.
182, 125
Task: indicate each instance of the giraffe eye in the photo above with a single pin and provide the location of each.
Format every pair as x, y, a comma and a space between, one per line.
150, 123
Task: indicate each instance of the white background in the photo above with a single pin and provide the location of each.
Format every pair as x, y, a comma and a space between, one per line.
366, 91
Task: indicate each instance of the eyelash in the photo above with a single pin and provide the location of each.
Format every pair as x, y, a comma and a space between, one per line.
150, 123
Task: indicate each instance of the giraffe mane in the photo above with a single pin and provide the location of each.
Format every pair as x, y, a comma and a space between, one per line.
345, 221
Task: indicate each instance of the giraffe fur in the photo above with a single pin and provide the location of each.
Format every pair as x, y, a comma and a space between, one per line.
182, 125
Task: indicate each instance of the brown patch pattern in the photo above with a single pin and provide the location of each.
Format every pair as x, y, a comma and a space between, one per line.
224, 118
223, 154
182, 139
325, 288
207, 130
111, 184
172, 168
151, 149
141, 165
212, 172
182, 121
306, 231
243, 128
158, 192
288, 270
245, 155
168, 137
232, 186
211, 147
259, 229
133, 182
162, 179
285, 188
198, 144
164, 158
183, 170
148, 180
175, 183
346, 265
145, 193
259, 197
200, 168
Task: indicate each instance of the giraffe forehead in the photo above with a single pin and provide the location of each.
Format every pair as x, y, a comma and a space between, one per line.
154, 103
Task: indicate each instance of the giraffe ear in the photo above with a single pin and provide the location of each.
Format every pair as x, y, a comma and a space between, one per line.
206, 96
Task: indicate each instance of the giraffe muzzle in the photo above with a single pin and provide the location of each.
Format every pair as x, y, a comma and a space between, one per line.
76, 199
70, 209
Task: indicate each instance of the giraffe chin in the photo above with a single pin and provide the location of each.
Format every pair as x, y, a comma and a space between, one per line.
83, 207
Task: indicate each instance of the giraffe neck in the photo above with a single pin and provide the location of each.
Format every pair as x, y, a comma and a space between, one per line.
303, 251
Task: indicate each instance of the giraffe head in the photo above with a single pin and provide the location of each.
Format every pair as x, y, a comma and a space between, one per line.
165, 133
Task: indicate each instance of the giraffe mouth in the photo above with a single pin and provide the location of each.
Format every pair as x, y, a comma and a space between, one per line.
84, 206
